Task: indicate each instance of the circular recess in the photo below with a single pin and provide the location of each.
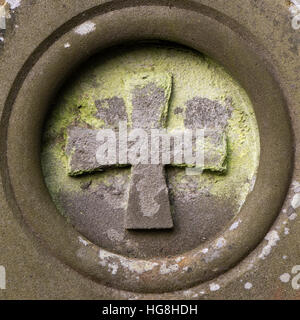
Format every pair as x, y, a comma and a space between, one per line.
51, 64
202, 204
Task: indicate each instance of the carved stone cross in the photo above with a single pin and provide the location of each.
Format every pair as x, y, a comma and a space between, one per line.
147, 100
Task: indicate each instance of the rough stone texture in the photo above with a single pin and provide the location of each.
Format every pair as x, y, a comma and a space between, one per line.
82, 146
148, 97
111, 110
31, 259
81, 150
215, 150
148, 203
148, 200
88, 210
148, 94
204, 113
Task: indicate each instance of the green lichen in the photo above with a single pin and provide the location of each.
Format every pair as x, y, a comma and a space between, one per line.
193, 75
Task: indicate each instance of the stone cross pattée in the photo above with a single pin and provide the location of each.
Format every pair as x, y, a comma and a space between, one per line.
147, 101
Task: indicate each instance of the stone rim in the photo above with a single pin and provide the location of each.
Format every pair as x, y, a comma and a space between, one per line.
92, 254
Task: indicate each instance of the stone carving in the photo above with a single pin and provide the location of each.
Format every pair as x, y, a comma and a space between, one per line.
147, 101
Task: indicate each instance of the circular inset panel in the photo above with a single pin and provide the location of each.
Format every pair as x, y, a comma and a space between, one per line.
47, 69
203, 95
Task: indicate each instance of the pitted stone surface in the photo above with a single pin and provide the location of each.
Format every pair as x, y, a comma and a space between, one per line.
82, 145
80, 149
148, 97
148, 204
148, 201
205, 113
112, 110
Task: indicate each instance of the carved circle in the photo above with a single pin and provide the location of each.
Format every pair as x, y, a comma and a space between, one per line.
47, 68
201, 204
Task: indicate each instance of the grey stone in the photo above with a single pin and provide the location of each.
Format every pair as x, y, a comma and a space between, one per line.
111, 110
148, 203
254, 56
80, 150
205, 113
148, 95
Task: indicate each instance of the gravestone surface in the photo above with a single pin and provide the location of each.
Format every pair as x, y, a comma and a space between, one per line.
71, 228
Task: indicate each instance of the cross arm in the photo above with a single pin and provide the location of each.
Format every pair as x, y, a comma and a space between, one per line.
209, 150
81, 150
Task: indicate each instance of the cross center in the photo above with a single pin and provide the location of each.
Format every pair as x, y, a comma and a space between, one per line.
147, 101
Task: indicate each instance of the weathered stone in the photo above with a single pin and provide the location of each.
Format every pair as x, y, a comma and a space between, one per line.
112, 111
205, 113
81, 150
148, 201
82, 146
148, 97
36, 57
215, 150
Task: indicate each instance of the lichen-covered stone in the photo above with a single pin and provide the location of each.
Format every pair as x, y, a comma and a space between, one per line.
201, 203
111, 111
206, 113
148, 97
